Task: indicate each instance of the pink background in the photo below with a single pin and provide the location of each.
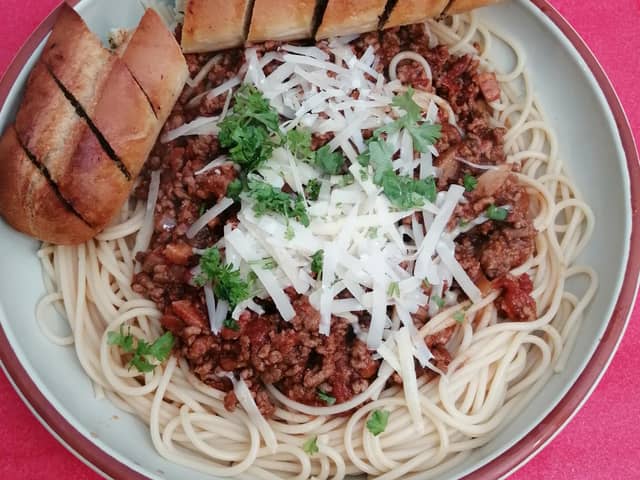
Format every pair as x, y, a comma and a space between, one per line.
603, 440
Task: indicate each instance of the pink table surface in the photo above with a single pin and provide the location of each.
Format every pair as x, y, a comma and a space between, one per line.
602, 441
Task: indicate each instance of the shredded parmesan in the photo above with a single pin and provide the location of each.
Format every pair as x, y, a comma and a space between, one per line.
208, 216
146, 232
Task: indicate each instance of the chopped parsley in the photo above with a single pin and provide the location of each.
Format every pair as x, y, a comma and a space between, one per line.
142, 352
437, 300
251, 131
271, 199
470, 182
289, 233
326, 398
298, 142
202, 209
311, 446
234, 189
497, 213
403, 192
268, 263
328, 161
393, 290
459, 316
346, 180
317, 260
424, 135
372, 232
377, 422
312, 191
226, 282
231, 324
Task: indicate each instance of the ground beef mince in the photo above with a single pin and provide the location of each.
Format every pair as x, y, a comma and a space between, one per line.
293, 356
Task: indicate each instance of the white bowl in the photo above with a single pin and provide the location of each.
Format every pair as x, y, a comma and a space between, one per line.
598, 150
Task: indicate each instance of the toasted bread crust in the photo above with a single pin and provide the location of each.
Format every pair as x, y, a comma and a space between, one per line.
50, 128
76, 57
461, 6
282, 20
211, 25
29, 202
155, 59
407, 12
346, 17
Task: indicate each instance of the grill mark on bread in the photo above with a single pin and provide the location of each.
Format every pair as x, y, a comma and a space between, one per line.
318, 15
135, 79
391, 4
98, 134
47, 175
248, 14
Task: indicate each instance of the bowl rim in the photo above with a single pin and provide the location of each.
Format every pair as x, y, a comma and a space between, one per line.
510, 460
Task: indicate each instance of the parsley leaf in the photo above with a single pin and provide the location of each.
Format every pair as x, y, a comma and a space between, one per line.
438, 300
161, 348
289, 233
497, 213
377, 423
313, 189
231, 324
326, 398
142, 351
125, 342
248, 130
268, 263
317, 260
470, 182
424, 135
459, 316
405, 192
226, 282
311, 446
328, 161
298, 142
234, 189
271, 199
393, 290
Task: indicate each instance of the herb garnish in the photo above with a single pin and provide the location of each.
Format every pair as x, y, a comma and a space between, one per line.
298, 142
312, 191
231, 324
268, 263
328, 161
311, 446
470, 182
226, 282
326, 398
234, 189
142, 351
497, 213
317, 260
459, 316
424, 135
377, 423
251, 131
393, 290
438, 300
270, 199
